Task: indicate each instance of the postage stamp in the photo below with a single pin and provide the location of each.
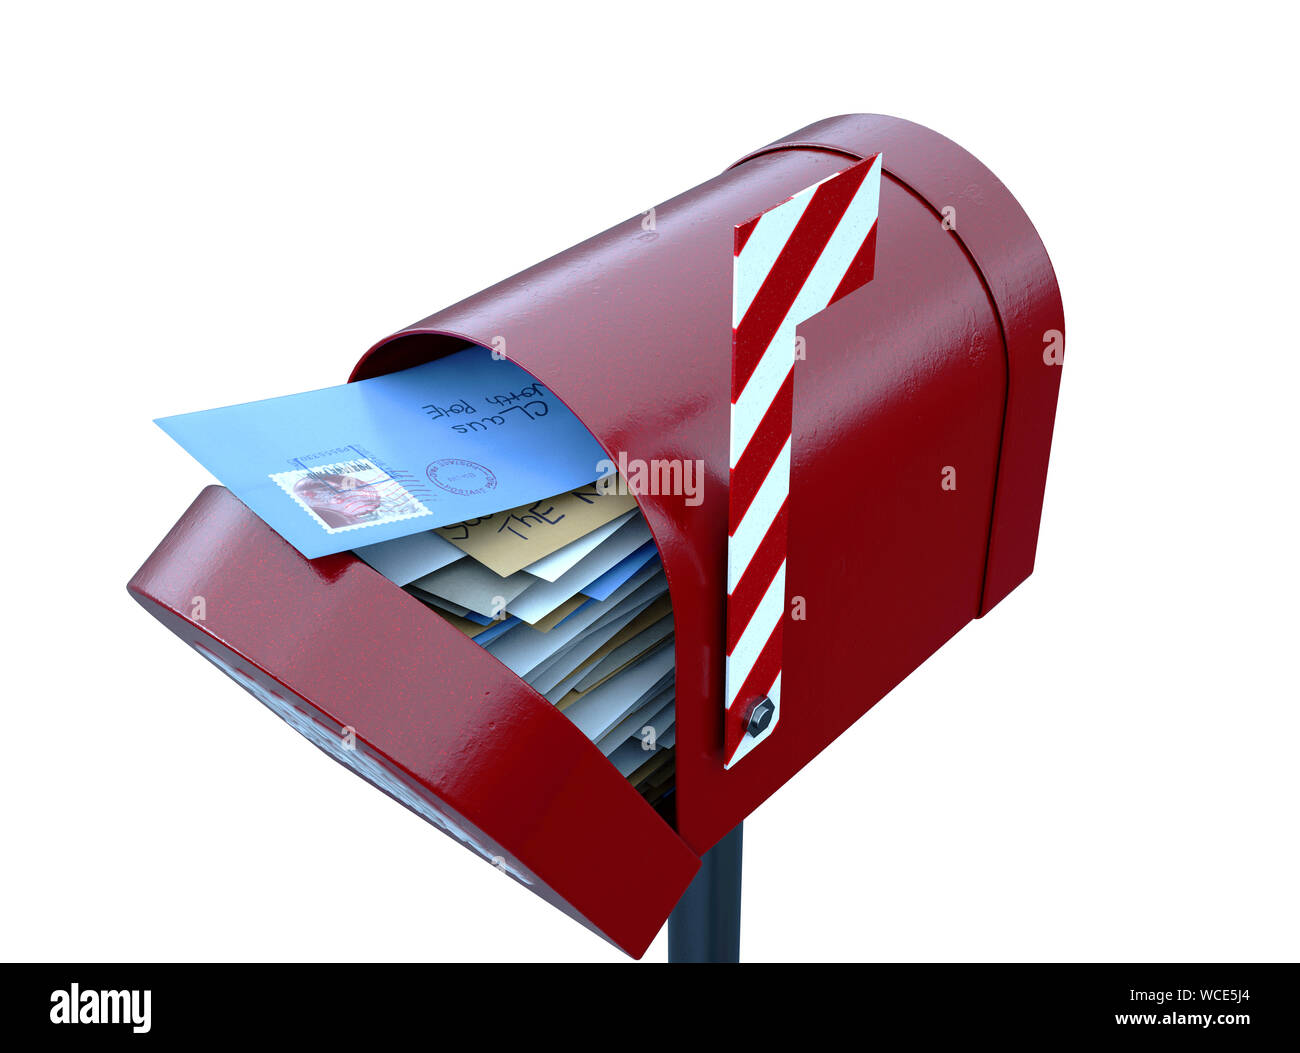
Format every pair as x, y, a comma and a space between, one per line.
348, 492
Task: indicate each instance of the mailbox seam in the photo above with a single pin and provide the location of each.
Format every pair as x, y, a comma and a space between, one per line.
1006, 386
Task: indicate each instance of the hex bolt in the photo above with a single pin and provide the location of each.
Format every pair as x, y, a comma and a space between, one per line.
760, 716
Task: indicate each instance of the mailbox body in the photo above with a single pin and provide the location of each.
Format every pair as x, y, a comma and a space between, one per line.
932, 372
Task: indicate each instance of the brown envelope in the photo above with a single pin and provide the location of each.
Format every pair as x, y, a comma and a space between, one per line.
508, 541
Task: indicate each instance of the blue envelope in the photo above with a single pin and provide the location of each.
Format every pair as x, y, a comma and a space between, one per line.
342, 467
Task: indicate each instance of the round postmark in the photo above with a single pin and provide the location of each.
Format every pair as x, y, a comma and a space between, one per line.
459, 476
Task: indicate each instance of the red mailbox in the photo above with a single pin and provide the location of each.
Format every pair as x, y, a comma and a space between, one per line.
922, 412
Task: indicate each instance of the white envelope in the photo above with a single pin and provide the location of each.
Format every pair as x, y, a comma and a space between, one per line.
542, 597
523, 648
404, 559
577, 676
439, 602
658, 713
561, 689
473, 585
562, 560
601, 708
630, 754
567, 659
642, 641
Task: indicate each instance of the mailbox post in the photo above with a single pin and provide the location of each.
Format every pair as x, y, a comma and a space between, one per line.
705, 924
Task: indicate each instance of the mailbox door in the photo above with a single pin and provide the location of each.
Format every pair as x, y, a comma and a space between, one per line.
370, 676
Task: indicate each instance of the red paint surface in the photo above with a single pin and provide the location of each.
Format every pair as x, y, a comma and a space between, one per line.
632, 329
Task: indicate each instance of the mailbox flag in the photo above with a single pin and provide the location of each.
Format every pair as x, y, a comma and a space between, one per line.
791, 262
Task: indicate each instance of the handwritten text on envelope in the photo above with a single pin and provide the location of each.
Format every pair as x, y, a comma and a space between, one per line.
462, 437
510, 540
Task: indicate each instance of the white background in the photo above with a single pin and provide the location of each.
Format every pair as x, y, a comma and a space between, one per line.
207, 204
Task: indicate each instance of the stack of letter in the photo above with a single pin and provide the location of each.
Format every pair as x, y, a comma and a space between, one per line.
569, 593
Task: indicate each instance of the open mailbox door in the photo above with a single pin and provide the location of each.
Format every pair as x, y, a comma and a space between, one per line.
920, 416
370, 676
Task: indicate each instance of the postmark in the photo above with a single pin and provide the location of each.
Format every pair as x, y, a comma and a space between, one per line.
461, 477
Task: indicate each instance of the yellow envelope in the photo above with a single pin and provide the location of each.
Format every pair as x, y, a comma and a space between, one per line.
575, 694
506, 542
643, 773
469, 628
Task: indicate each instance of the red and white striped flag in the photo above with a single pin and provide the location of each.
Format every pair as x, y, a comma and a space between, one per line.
792, 261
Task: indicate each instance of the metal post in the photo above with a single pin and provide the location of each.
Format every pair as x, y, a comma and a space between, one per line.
705, 924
